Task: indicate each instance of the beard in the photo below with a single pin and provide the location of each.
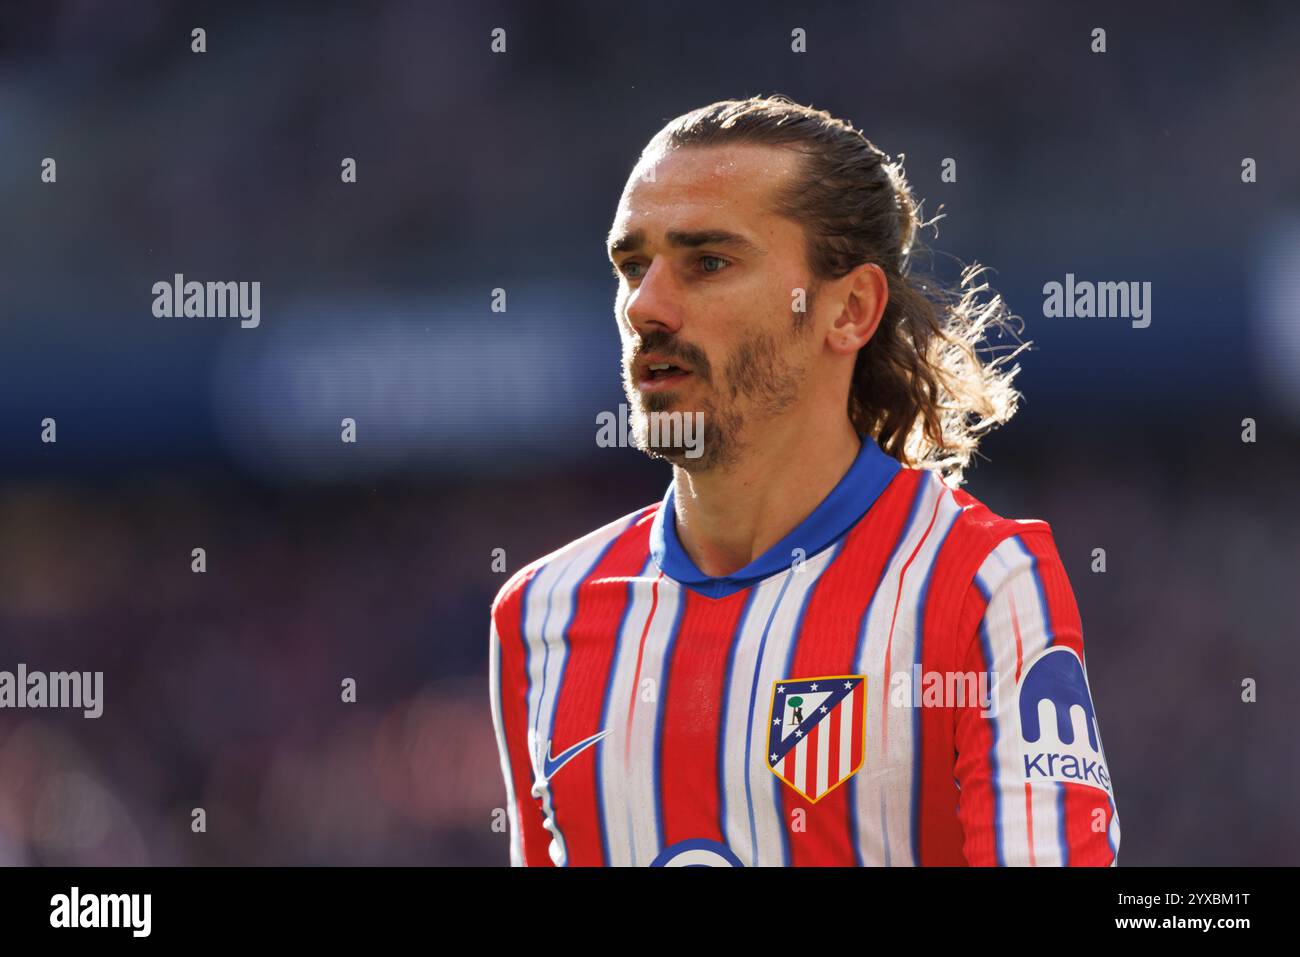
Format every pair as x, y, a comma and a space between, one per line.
758, 383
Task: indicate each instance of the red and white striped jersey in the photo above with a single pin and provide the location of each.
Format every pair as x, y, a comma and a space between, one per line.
899, 681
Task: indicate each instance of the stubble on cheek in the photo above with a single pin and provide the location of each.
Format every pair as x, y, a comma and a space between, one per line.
759, 372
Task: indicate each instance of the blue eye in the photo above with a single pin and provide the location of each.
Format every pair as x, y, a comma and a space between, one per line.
624, 271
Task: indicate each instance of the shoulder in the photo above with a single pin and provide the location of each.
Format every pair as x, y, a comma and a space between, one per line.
983, 554
981, 547
1013, 563
582, 551
1008, 544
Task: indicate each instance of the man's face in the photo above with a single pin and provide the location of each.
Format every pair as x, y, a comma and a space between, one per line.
708, 279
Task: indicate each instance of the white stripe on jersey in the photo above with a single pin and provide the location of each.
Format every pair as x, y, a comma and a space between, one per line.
498, 726
641, 769
1015, 606
881, 793
1002, 577
823, 760
739, 694
846, 728
617, 816
548, 605
762, 786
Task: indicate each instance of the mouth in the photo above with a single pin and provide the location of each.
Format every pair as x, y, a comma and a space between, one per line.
657, 375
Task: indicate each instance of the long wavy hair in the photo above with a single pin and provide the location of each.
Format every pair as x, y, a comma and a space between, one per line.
930, 383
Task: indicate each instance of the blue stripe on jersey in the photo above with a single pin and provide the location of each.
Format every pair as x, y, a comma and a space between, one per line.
884, 833
854, 830
728, 671
858, 651
871, 472
1114, 813
986, 646
749, 723
1060, 825
661, 705
604, 710
1038, 585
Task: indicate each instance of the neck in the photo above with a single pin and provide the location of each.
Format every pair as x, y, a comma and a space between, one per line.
726, 518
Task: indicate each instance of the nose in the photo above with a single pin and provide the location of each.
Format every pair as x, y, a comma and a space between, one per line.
654, 304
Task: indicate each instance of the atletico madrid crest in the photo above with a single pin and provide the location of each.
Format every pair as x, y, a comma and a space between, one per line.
816, 732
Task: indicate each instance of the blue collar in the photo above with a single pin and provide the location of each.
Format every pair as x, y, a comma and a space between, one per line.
856, 492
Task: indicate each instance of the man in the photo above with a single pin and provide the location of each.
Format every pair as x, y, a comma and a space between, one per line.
815, 650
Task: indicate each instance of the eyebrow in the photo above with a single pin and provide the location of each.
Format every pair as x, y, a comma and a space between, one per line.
630, 242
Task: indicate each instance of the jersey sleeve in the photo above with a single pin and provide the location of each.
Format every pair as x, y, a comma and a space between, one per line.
508, 689
1034, 785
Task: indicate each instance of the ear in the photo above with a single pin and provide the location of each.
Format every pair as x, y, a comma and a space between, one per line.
866, 293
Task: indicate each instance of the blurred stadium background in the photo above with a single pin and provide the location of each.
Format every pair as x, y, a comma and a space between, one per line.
478, 171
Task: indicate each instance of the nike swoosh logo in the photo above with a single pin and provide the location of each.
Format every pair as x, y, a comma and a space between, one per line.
551, 764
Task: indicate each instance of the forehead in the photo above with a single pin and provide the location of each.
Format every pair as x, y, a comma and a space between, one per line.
695, 186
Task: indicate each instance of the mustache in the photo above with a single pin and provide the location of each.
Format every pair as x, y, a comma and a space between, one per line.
665, 344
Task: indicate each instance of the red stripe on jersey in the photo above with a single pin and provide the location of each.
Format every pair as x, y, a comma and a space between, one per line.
1087, 847
859, 700
977, 845
591, 638
811, 763
972, 734
691, 699
508, 616
826, 645
951, 616
833, 748
1020, 645
889, 643
1029, 822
